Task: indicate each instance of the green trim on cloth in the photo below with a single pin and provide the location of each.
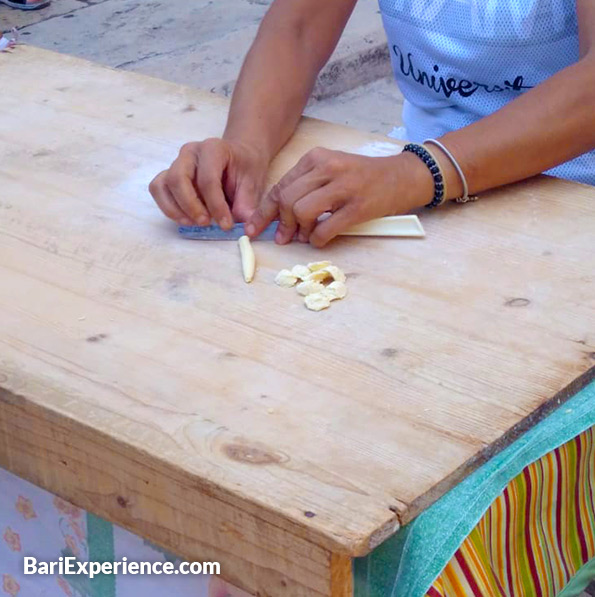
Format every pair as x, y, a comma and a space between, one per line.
408, 563
581, 581
100, 539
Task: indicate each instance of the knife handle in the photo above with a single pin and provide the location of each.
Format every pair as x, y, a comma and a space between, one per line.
389, 226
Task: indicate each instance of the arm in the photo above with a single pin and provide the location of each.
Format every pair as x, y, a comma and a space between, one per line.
294, 41
550, 124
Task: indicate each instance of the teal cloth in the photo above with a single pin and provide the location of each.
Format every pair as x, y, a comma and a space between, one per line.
100, 537
407, 564
581, 581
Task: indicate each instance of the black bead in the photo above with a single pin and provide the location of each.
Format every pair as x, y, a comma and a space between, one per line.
426, 157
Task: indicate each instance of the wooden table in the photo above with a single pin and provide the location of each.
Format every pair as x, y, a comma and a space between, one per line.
143, 380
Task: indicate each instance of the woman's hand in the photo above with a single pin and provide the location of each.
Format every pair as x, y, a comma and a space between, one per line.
213, 179
353, 188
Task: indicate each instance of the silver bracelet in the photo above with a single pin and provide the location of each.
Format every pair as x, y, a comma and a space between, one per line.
466, 197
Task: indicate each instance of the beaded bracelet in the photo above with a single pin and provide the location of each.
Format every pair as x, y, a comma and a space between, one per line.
465, 197
426, 157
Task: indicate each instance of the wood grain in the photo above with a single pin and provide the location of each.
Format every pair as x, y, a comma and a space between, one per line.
341, 576
162, 505
149, 364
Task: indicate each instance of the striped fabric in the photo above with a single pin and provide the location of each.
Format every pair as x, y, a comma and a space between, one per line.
536, 535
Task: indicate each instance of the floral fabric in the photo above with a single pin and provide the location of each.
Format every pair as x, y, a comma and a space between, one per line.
33, 522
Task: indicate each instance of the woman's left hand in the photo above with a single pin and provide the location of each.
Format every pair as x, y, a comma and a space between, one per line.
353, 188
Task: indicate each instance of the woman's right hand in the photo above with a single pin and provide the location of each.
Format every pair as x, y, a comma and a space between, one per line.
210, 180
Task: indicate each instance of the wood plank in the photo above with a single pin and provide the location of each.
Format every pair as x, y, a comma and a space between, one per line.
330, 427
163, 505
341, 576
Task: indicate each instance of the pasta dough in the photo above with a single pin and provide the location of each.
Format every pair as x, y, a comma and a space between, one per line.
318, 265
336, 290
285, 279
335, 273
248, 258
300, 271
321, 283
309, 287
317, 301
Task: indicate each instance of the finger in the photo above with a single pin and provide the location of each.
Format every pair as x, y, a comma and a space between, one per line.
308, 209
288, 198
245, 201
268, 208
178, 181
166, 202
280, 201
262, 216
341, 220
209, 176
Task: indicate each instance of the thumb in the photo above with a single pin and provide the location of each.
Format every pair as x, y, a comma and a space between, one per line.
246, 200
262, 216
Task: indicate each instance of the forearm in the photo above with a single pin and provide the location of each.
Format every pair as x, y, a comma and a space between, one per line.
294, 42
548, 125
271, 93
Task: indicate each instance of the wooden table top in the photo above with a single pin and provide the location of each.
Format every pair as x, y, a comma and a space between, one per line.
132, 357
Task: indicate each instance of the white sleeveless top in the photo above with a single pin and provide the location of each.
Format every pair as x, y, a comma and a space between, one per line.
457, 61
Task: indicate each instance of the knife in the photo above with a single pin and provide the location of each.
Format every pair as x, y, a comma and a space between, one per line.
403, 226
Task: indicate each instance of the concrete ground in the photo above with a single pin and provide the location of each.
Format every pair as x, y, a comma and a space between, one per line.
375, 107
202, 43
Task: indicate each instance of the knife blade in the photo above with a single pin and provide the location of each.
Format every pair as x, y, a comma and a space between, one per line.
215, 233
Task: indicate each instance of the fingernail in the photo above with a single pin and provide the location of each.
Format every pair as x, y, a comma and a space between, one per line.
249, 229
185, 222
203, 221
225, 223
302, 238
278, 237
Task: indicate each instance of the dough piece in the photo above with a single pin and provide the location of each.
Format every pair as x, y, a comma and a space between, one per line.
317, 301
248, 258
336, 291
309, 287
322, 283
313, 267
300, 271
285, 279
319, 275
335, 272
